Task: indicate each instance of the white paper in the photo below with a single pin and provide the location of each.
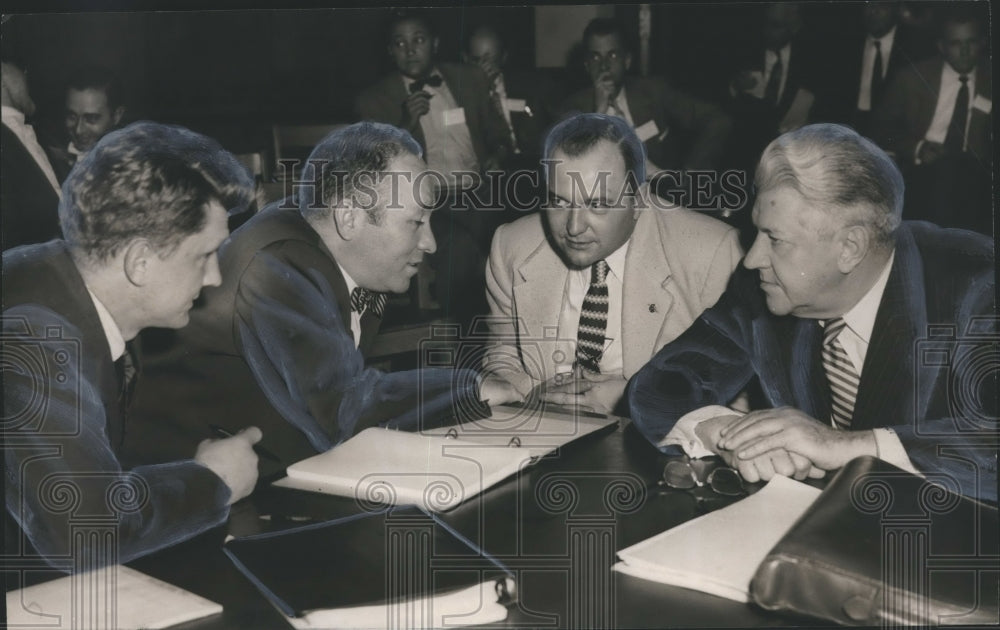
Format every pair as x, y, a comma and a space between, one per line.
647, 130
719, 553
471, 606
982, 103
516, 104
112, 597
454, 116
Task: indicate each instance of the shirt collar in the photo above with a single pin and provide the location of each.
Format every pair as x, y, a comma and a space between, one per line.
616, 261
407, 81
116, 343
72, 150
351, 284
950, 74
861, 318
886, 40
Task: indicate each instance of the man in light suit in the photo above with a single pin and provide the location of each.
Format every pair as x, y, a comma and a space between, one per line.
868, 336
679, 131
602, 238
936, 121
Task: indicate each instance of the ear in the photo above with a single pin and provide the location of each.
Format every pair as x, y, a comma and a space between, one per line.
137, 262
855, 241
117, 115
346, 220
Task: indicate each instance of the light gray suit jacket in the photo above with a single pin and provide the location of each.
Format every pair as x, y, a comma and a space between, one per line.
678, 264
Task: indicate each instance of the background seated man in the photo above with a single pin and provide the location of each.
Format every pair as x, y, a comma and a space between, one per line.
143, 215
93, 108
282, 342
605, 275
829, 313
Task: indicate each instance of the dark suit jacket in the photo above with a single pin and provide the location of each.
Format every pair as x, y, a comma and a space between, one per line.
272, 347
530, 128
695, 131
62, 458
838, 99
29, 206
907, 110
383, 102
939, 277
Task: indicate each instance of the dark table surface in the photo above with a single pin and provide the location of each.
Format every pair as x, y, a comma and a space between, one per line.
556, 525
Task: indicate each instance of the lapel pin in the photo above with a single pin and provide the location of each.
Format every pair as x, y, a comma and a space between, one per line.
652, 308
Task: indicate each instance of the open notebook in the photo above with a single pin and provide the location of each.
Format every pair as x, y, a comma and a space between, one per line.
111, 597
439, 469
719, 552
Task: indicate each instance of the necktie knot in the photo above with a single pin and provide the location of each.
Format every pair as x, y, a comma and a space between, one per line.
832, 329
434, 81
964, 78
362, 299
878, 44
599, 272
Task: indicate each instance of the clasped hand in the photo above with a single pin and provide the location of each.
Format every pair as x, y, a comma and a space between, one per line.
595, 392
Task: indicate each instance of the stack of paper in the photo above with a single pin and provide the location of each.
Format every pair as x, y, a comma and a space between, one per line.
112, 597
718, 553
438, 469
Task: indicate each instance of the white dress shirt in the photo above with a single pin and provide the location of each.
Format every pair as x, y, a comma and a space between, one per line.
577, 285
770, 57
855, 338
868, 66
449, 146
950, 84
116, 342
14, 120
355, 316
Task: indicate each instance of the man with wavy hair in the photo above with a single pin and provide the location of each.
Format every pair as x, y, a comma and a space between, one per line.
143, 215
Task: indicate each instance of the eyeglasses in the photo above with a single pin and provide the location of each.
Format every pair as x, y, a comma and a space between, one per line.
712, 484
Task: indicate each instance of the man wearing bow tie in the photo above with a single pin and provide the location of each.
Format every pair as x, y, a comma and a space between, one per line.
282, 343
446, 107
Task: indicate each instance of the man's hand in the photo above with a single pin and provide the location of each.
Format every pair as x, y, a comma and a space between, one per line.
497, 391
930, 152
598, 392
233, 460
415, 106
760, 432
760, 468
604, 91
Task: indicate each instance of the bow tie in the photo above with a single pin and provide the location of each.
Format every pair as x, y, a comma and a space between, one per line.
434, 80
365, 298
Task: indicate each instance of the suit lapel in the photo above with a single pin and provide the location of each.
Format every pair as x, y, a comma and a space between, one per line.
539, 286
647, 295
639, 104
885, 392
810, 389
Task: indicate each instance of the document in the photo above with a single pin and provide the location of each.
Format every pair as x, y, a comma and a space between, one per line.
438, 469
718, 553
111, 597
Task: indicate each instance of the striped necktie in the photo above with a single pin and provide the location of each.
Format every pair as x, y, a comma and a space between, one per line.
840, 374
365, 298
593, 320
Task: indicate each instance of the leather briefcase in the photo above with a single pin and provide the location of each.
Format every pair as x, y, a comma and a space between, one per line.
883, 546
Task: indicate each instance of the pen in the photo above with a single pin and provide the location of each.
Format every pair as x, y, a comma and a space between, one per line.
260, 450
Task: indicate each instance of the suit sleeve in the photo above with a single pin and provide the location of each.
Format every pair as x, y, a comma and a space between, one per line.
707, 125
65, 487
503, 355
890, 128
727, 256
303, 357
708, 364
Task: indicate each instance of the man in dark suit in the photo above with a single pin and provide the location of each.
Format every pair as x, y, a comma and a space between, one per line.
447, 109
839, 313
936, 121
281, 344
859, 71
29, 192
144, 214
679, 131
